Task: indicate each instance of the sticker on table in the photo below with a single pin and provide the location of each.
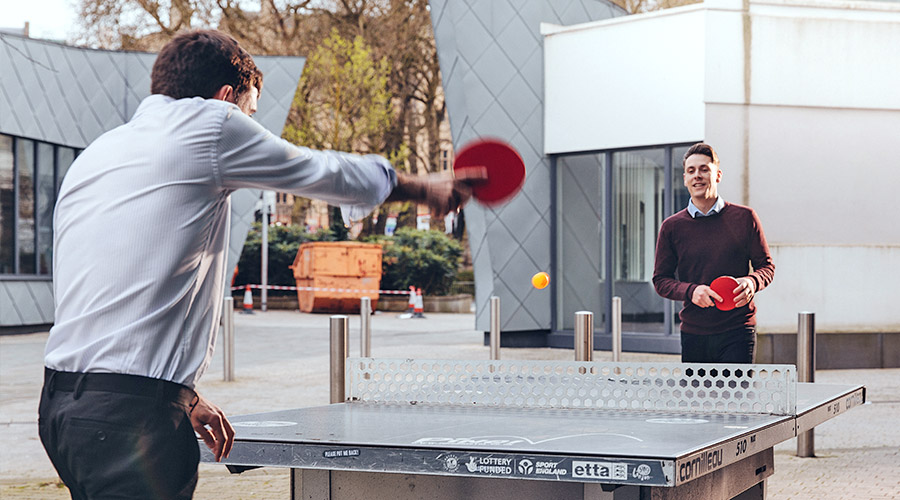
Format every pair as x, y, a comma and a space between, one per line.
263, 423
677, 421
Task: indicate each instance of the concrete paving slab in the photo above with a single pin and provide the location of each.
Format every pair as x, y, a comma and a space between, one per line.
281, 362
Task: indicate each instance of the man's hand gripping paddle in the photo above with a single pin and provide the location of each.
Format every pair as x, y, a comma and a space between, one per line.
726, 287
498, 168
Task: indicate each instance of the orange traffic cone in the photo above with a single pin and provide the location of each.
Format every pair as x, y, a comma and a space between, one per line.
248, 301
419, 310
411, 305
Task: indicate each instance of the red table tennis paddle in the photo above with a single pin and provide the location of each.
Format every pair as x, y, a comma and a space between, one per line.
499, 162
725, 286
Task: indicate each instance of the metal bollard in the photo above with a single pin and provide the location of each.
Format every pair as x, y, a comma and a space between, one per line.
584, 336
365, 327
264, 275
340, 331
495, 328
806, 372
228, 338
616, 329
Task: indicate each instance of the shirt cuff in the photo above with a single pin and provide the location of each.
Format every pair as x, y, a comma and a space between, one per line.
358, 211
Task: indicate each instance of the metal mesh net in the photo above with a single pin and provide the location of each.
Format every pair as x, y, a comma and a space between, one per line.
708, 388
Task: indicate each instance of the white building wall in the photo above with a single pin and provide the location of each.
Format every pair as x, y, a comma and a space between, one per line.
624, 82
801, 100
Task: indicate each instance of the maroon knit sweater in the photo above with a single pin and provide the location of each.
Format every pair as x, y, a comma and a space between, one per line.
692, 252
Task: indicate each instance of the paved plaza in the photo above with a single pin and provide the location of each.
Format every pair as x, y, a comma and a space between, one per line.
282, 362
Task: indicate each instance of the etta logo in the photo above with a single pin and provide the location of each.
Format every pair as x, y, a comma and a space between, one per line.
599, 470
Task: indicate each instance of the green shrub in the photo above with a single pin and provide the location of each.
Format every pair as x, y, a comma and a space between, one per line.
424, 259
284, 241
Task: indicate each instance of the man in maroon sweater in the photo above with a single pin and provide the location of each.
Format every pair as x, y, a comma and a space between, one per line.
708, 239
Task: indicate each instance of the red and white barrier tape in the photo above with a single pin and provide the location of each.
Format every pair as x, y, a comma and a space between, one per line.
321, 289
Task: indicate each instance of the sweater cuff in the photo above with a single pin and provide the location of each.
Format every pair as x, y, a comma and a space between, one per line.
690, 292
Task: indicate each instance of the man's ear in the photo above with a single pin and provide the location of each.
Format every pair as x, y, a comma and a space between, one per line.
225, 93
718, 174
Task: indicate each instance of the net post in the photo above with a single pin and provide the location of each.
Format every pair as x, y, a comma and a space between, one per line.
340, 331
495, 328
584, 336
616, 329
228, 339
365, 327
806, 372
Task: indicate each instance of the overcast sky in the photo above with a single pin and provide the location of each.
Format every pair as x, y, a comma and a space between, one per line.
53, 19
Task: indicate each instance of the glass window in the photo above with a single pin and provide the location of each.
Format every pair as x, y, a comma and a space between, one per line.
679, 192
639, 210
25, 188
45, 190
581, 228
595, 245
7, 206
65, 157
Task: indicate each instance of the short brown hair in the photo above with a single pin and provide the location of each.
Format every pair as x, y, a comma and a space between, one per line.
701, 148
198, 63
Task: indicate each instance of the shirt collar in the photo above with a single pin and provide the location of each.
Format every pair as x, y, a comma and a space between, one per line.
716, 208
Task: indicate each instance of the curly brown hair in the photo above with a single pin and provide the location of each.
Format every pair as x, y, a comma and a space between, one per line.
198, 63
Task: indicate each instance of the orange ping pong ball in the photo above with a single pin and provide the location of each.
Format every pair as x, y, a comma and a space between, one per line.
540, 280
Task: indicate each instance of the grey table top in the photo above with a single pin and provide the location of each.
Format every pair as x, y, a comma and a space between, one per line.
424, 438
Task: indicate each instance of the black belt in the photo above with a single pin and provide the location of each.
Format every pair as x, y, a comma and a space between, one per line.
119, 383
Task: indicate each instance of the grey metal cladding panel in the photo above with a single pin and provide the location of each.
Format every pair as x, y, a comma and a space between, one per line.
493, 67
533, 128
536, 305
9, 315
513, 315
573, 13
533, 72
243, 202
137, 68
519, 100
42, 291
106, 89
492, 49
476, 38
536, 246
21, 84
519, 216
280, 78
495, 122
7, 122
517, 41
537, 187
63, 99
83, 89
57, 109
37, 76
502, 242
477, 95
24, 303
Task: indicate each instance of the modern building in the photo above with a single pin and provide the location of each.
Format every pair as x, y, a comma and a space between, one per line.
799, 97
54, 100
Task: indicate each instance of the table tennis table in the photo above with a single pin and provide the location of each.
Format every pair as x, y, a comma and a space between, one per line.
540, 429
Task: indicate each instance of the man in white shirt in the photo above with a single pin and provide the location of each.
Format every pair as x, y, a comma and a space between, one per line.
141, 229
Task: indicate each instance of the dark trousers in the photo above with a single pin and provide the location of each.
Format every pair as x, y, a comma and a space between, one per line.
114, 436
736, 346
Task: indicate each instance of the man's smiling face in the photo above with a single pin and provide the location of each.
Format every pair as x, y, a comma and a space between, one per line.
701, 177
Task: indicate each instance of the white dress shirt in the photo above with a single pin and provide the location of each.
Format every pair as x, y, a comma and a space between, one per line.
716, 208
141, 230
